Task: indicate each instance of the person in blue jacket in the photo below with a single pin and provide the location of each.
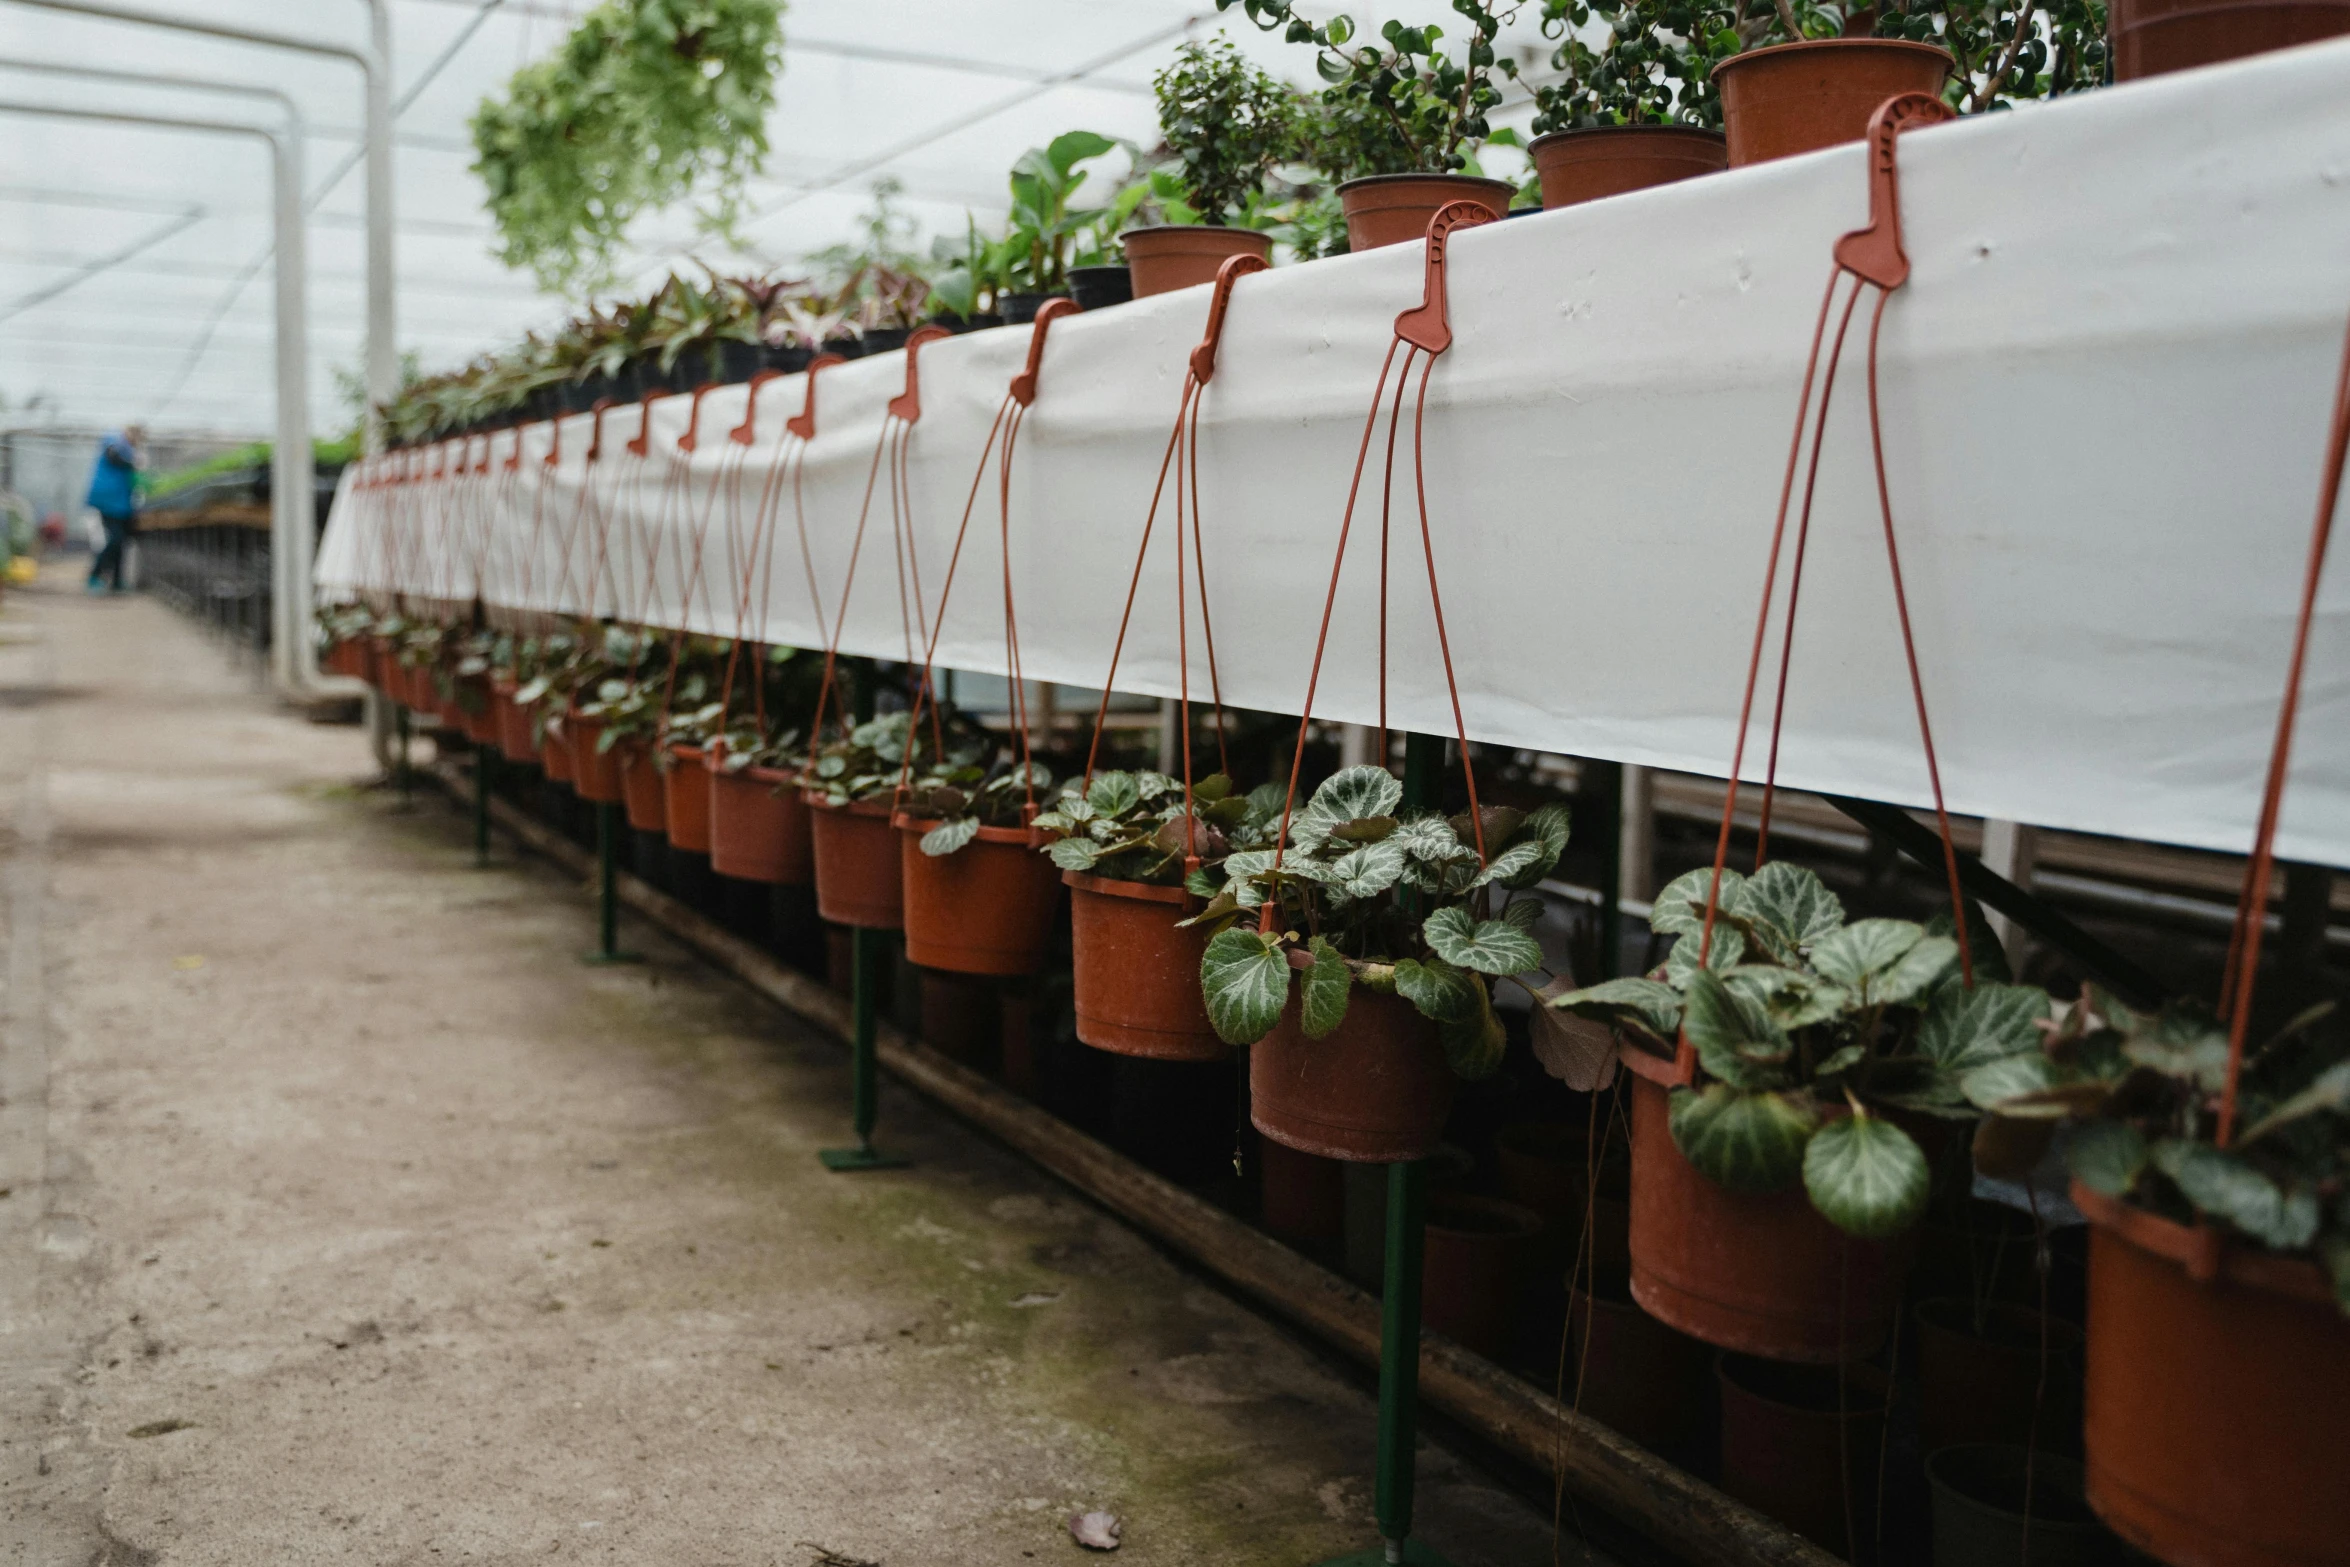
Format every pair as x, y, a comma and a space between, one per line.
114, 496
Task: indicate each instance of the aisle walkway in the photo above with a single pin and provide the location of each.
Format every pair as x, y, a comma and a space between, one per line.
345, 1218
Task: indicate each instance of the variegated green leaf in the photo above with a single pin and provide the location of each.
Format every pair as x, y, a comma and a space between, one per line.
1365, 872
1113, 794
1866, 1176
1962, 1029
1728, 946
1748, 1142
1244, 979
1488, 946
1788, 908
1680, 908
1346, 795
2106, 1156
1863, 950
1323, 990
1641, 1003
1074, 854
947, 837
1735, 1039
1919, 970
1439, 990
2226, 1187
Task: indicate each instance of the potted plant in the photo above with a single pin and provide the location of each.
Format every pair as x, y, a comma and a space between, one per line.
968, 286
628, 712
1398, 121
1635, 111
1123, 842
1228, 124
1770, 1193
977, 898
687, 733
2219, 1275
1390, 926
1042, 223
851, 785
758, 819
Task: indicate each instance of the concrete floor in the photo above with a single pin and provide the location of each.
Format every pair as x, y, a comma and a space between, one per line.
345, 1217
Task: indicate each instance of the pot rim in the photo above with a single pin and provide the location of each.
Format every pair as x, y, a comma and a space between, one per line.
684, 752
1897, 45
2200, 1247
2066, 1471
882, 808
754, 772
1570, 133
1119, 887
1191, 228
1363, 181
907, 821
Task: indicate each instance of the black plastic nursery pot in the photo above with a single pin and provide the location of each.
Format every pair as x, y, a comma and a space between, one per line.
885, 339
788, 358
2002, 1506
1095, 288
1021, 309
846, 347
739, 361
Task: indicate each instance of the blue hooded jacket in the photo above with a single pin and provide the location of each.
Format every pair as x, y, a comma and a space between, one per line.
114, 484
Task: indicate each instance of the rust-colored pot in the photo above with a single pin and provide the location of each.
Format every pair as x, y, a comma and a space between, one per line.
383, 666
759, 827
481, 721
1137, 974
1375, 1091
1632, 1373
860, 876
1476, 1255
595, 769
2216, 1411
961, 1015
2154, 36
350, 656
557, 756
688, 790
514, 740
1793, 98
1608, 160
1391, 209
1170, 256
1753, 1273
987, 908
417, 693
1301, 1198
1545, 1165
1980, 1374
643, 790
1801, 1449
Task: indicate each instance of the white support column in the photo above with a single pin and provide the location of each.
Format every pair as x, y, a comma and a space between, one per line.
2008, 850
1636, 845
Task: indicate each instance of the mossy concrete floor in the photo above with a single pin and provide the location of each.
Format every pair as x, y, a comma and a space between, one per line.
349, 1218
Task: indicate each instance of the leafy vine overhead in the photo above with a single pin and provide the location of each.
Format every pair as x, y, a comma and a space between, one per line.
1407, 108
645, 101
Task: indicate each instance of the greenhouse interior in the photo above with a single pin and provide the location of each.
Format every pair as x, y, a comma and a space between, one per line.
862, 783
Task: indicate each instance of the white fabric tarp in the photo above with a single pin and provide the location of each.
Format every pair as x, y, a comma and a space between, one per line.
2105, 395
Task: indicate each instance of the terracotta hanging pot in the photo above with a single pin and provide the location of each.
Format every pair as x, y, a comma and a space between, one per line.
860, 879
1633, 1374
1608, 160
2002, 1506
1980, 1373
1169, 256
643, 789
2154, 36
1755, 1273
481, 720
596, 770
688, 788
987, 908
1137, 974
555, 754
1470, 1285
1391, 209
759, 827
1798, 1448
351, 657
514, 741
1376, 1090
1300, 1198
2215, 1410
383, 666
1793, 98
417, 692
961, 1016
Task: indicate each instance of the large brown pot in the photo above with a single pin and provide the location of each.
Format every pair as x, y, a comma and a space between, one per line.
1183, 255
1633, 1374
1793, 98
351, 656
1981, 1371
1300, 1198
595, 769
689, 799
2154, 36
1137, 973
1391, 209
643, 789
514, 740
1375, 1091
759, 827
2216, 1411
987, 908
1608, 160
860, 879
555, 754
1755, 1273
1476, 1255
1798, 1447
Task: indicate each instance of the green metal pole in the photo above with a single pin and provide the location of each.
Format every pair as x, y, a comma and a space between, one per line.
866, 951
485, 765
400, 770
608, 889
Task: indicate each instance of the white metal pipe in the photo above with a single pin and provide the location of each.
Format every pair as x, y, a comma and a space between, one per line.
292, 477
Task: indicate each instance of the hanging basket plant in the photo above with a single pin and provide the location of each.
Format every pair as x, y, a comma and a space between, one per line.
645, 103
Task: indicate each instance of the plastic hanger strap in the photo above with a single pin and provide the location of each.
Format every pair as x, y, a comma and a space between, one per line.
906, 407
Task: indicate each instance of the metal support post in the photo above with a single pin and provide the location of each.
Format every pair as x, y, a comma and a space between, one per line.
400, 765
866, 950
485, 772
608, 890
1607, 794
1399, 1296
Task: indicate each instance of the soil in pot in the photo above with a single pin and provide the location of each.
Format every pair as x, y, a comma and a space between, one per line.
644, 790
2154, 36
1754, 1273
1375, 1091
987, 908
1794, 98
1170, 256
959, 1017
1476, 1255
1635, 1375
595, 770
759, 827
689, 799
1098, 288
1391, 209
1982, 1500
1798, 1449
859, 876
1021, 309
1300, 1198
1136, 972
1591, 165
1980, 1377
2215, 1412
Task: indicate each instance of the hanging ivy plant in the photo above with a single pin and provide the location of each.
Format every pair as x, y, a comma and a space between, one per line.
646, 102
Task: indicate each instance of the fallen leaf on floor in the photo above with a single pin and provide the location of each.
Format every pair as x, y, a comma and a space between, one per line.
162, 1427
826, 1556
192, 960
1037, 1298
1094, 1531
